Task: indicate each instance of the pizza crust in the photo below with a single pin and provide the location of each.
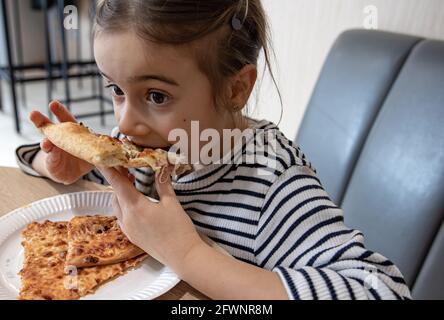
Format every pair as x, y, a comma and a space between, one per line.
79, 141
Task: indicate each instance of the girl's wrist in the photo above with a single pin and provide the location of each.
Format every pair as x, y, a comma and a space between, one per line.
190, 258
39, 164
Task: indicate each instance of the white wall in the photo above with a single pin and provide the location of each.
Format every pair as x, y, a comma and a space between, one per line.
33, 36
304, 30
32, 27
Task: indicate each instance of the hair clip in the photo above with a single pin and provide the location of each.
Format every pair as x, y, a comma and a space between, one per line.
236, 23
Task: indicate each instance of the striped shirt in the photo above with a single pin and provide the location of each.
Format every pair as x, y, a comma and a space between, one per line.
273, 212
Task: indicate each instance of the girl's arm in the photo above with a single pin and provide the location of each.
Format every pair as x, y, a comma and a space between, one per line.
31, 160
302, 237
25, 155
303, 250
222, 277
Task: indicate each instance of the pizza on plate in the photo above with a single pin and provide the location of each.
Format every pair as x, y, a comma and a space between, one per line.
47, 276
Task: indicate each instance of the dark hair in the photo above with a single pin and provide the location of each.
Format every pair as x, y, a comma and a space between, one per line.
232, 32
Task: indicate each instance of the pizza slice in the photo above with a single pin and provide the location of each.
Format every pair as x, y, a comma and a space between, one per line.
98, 240
103, 150
88, 280
45, 275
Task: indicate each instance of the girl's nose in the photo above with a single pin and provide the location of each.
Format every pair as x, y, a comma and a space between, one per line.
131, 123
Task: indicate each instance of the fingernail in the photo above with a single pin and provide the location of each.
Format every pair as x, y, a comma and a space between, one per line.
163, 175
44, 145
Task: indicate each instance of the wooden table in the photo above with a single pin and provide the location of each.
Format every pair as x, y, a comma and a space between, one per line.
18, 189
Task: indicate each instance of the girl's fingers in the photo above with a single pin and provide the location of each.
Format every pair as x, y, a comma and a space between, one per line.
163, 184
38, 119
117, 211
123, 188
46, 145
62, 114
124, 171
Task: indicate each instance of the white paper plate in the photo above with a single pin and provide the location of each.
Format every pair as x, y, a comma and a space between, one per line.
150, 280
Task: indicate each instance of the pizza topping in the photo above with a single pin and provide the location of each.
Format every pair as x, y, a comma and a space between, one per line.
60, 243
47, 254
123, 243
91, 259
101, 229
69, 270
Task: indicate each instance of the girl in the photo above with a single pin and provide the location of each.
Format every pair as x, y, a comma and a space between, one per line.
167, 64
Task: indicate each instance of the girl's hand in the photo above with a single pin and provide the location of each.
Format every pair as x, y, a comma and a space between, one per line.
163, 229
57, 164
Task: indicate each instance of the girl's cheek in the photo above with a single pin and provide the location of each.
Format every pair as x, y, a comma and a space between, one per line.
116, 113
117, 109
118, 101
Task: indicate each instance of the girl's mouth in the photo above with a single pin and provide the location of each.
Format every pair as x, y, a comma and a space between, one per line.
165, 148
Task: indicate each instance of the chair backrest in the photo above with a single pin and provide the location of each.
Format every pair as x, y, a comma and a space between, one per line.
374, 130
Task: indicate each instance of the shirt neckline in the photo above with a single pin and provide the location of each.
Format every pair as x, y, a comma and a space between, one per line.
203, 176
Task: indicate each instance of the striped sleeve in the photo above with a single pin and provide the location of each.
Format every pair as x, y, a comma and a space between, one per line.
95, 176
24, 155
302, 237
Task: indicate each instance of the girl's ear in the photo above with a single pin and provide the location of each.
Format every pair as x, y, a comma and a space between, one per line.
242, 85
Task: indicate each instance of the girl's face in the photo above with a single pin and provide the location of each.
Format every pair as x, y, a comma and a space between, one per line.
155, 89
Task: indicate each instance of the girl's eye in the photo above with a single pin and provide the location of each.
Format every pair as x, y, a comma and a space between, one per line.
157, 98
116, 91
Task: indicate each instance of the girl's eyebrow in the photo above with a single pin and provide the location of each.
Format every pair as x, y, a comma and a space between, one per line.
147, 77
153, 77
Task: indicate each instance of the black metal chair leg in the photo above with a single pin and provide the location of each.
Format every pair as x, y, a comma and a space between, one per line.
11, 68
18, 28
79, 49
93, 12
64, 54
48, 65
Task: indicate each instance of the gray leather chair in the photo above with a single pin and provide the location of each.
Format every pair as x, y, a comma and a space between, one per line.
374, 130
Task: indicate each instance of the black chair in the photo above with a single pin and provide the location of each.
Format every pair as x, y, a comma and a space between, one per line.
374, 129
